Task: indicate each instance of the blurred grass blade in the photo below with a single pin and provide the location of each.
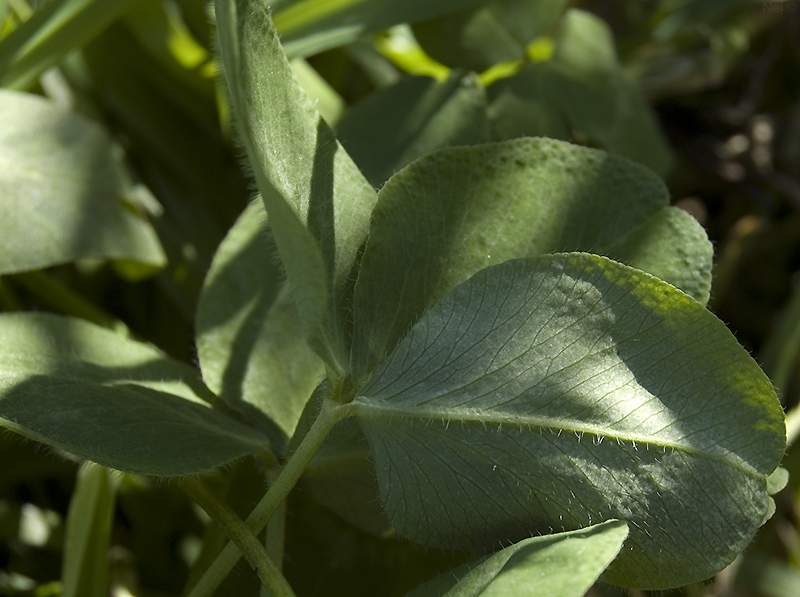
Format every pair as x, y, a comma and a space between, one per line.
89, 523
780, 356
52, 32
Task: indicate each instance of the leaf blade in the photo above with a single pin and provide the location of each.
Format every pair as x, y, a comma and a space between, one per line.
570, 562
461, 209
91, 392
250, 342
62, 191
486, 404
317, 199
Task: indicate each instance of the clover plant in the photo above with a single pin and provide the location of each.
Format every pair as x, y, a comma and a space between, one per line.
510, 338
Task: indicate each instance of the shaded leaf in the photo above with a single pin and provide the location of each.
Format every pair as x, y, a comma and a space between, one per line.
318, 202
62, 192
565, 390
558, 565
395, 126
123, 404
341, 476
459, 210
249, 339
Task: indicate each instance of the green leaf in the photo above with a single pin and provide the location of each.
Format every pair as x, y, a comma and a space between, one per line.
395, 126
249, 338
341, 477
318, 202
89, 523
473, 39
558, 565
585, 86
311, 26
777, 480
57, 28
557, 392
78, 387
493, 33
62, 192
459, 210
525, 105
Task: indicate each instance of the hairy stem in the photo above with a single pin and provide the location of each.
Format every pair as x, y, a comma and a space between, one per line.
330, 414
244, 538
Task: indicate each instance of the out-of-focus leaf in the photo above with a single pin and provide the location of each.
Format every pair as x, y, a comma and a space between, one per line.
557, 565
525, 105
767, 576
249, 340
583, 86
60, 26
123, 404
89, 523
495, 32
310, 26
565, 390
319, 203
395, 126
473, 40
459, 210
62, 191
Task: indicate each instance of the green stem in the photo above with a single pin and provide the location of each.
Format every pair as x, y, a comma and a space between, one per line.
239, 533
330, 414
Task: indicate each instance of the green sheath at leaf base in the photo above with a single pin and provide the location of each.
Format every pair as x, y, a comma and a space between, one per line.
553, 393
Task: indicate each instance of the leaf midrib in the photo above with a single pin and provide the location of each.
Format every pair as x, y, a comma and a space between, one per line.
362, 408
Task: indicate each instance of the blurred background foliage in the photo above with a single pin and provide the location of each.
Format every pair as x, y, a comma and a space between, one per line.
705, 92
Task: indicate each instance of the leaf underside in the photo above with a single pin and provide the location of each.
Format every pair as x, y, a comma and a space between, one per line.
250, 342
553, 393
84, 389
461, 209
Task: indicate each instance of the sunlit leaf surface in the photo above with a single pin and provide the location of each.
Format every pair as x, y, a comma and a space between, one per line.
554, 393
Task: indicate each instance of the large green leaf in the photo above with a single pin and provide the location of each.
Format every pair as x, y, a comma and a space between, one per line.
583, 84
249, 339
123, 404
395, 126
564, 390
459, 210
56, 29
62, 191
557, 565
318, 202
311, 26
